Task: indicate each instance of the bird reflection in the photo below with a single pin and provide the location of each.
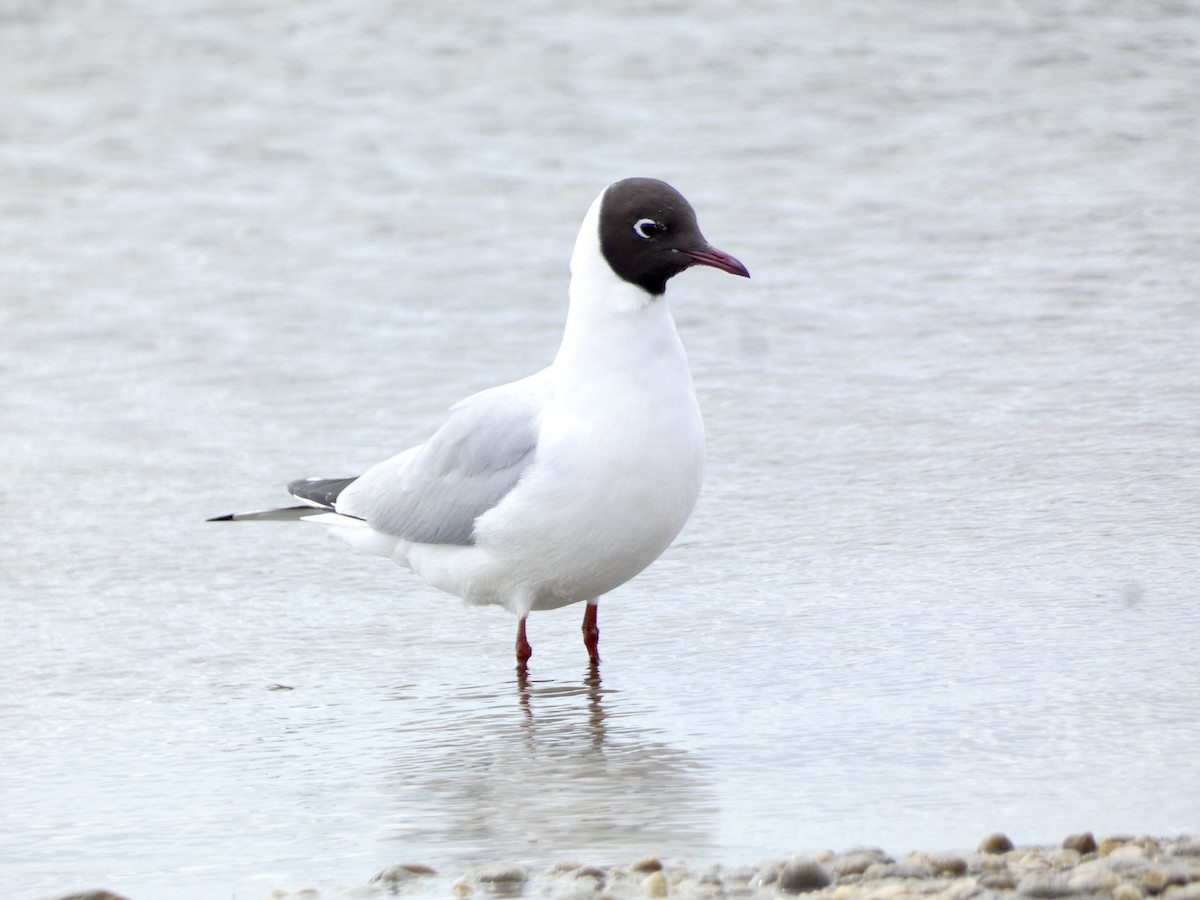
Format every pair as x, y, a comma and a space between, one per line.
589, 687
541, 770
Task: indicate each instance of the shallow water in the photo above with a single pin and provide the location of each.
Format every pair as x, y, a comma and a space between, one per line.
943, 578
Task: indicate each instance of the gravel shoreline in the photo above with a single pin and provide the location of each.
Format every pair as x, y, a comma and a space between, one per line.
1114, 868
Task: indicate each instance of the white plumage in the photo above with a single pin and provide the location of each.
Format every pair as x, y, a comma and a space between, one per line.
559, 487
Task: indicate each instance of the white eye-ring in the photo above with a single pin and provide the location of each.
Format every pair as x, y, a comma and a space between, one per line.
648, 228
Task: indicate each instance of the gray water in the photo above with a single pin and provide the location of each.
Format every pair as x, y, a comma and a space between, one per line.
943, 579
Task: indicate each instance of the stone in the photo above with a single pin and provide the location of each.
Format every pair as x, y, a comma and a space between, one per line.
912, 870
401, 873
711, 878
1174, 875
656, 884
1081, 843
1189, 846
1094, 880
878, 871
1129, 859
891, 890
1139, 868
1154, 881
768, 874
877, 852
960, 889
740, 876
995, 843
1109, 844
947, 864
1029, 858
852, 863
1045, 886
1063, 858
803, 875
1000, 880
94, 895
504, 882
503, 876
647, 865
1129, 851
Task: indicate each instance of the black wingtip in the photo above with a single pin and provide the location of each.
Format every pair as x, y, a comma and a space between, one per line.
283, 514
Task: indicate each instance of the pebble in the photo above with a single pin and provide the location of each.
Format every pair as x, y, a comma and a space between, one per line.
803, 875
394, 875
504, 882
910, 870
656, 884
995, 843
1045, 886
1081, 843
649, 864
1094, 879
948, 865
768, 874
997, 880
503, 876
855, 862
1080, 868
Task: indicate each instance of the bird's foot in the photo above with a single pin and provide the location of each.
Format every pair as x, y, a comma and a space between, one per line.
524, 651
591, 633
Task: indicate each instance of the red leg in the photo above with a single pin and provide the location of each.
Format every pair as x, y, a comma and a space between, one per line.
524, 651
591, 632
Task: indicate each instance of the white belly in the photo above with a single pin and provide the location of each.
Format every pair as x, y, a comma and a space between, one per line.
603, 499
618, 465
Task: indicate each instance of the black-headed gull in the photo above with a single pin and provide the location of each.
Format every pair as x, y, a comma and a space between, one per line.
557, 488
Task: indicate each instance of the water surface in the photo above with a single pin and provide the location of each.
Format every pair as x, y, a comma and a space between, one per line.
943, 578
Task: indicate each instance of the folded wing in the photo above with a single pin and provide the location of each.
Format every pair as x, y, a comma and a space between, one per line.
432, 494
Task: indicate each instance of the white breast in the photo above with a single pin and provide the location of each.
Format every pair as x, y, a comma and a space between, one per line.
619, 461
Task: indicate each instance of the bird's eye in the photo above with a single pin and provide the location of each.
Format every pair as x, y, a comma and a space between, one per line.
648, 228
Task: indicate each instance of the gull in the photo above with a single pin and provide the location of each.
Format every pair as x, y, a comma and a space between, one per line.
557, 488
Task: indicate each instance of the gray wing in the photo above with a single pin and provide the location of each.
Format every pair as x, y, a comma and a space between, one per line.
320, 492
432, 494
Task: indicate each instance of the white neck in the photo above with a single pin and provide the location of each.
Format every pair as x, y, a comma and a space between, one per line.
611, 322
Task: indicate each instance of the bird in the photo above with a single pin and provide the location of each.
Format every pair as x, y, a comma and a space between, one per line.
559, 487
